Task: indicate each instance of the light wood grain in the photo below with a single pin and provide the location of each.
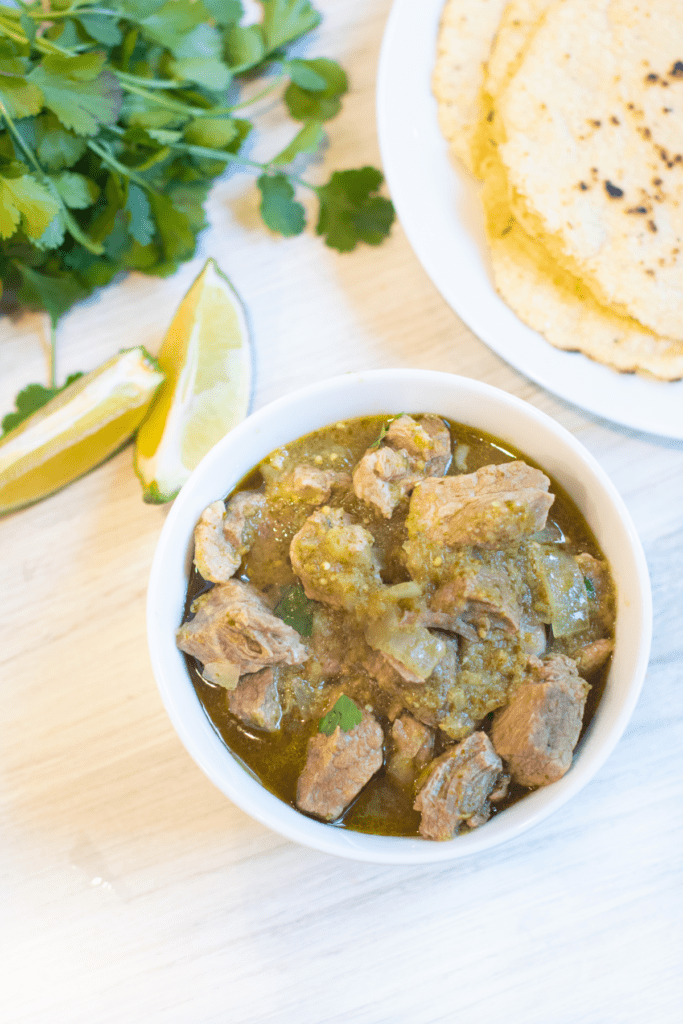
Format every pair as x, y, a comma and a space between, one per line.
132, 890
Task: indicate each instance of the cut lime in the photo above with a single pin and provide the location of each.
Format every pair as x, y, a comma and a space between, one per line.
76, 430
206, 356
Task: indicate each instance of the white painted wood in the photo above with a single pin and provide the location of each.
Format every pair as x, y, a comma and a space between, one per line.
132, 891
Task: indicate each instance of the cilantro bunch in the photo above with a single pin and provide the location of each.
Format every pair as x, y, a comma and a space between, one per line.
118, 115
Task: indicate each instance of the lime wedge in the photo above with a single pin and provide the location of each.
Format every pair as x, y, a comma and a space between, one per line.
76, 430
206, 356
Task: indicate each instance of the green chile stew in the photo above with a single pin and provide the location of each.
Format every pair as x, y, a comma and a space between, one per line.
388, 605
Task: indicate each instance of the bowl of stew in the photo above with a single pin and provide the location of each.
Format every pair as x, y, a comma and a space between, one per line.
399, 616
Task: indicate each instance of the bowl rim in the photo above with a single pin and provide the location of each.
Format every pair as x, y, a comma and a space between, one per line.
173, 555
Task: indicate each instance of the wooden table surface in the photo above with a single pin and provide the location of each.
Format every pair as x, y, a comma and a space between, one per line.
132, 890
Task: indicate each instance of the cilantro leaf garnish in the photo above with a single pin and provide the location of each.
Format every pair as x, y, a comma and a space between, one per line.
278, 207
296, 609
346, 714
351, 212
590, 587
319, 99
30, 399
383, 432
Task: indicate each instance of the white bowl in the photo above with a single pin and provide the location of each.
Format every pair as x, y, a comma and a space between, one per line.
372, 393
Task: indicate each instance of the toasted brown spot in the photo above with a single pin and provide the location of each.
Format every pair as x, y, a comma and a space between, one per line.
613, 190
677, 69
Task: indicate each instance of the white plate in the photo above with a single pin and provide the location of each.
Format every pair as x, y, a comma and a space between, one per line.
440, 213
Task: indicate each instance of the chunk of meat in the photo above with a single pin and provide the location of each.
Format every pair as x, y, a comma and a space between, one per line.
484, 600
437, 702
427, 442
335, 560
410, 451
234, 626
492, 508
538, 730
382, 478
593, 656
458, 787
338, 766
412, 745
601, 596
223, 535
316, 485
255, 700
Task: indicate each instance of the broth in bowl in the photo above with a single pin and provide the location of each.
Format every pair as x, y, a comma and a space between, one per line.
399, 624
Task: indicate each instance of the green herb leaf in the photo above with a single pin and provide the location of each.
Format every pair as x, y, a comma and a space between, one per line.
318, 104
382, 434
141, 223
24, 200
225, 12
346, 714
286, 20
280, 211
590, 588
350, 211
77, 191
21, 97
199, 58
53, 294
79, 91
212, 132
101, 28
303, 74
56, 148
308, 140
244, 47
296, 609
29, 26
29, 400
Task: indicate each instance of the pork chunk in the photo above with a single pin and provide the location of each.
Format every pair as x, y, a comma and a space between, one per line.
410, 452
382, 478
437, 702
255, 700
427, 442
234, 628
537, 732
593, 656
338, 766
412, 745
335, 560
492, 508
224, 534
458, 786
483, 600
316, 485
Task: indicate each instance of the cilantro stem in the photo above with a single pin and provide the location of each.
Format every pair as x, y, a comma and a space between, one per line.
39, 43
127, 172
73, 12
53, 353
259, 95
165, 101
149, 83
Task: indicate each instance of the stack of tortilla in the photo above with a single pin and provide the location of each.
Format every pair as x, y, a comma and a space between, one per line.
571, 114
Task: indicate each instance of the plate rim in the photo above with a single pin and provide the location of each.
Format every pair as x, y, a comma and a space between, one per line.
413, 153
